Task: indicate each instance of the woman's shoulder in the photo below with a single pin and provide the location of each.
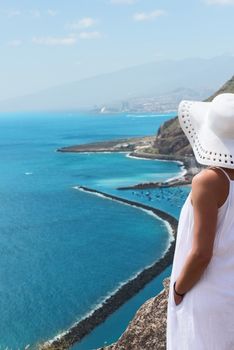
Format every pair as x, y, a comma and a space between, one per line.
209, 176
210, 184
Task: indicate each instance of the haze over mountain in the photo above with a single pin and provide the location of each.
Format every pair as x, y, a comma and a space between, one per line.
145, 80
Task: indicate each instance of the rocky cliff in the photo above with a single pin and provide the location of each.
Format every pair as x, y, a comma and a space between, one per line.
147, 330
170, 138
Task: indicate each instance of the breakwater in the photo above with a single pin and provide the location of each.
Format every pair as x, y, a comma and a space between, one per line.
126, 291
144, 185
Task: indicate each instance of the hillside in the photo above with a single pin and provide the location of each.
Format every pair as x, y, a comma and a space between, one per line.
227, 87
141, 81
170, 138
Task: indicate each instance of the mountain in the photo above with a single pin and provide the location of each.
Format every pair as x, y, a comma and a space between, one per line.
146, 80
227, 87
170, 138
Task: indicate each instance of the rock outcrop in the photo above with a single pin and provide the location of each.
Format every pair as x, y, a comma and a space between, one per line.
147, 330
170, 138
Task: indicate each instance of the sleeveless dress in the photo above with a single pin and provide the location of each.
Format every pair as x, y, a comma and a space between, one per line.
204, 320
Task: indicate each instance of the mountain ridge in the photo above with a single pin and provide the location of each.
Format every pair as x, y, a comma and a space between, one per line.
142, 80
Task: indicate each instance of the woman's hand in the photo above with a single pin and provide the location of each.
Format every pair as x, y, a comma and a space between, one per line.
177, 298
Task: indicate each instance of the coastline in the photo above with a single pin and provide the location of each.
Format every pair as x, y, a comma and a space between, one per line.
127, 289
143, 148
126, 144
184, 178
135, 148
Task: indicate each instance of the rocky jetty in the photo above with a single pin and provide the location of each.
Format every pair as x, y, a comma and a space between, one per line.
127, 290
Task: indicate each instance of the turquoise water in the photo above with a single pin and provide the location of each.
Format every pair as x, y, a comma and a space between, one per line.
171, 201
62, 250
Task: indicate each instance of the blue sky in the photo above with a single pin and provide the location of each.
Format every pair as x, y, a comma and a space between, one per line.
49, 42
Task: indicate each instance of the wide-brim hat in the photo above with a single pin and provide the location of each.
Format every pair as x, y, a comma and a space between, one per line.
209, 127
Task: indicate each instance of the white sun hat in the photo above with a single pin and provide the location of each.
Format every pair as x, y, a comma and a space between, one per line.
209, 127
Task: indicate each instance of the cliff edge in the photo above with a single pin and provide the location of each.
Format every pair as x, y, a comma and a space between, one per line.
147, 330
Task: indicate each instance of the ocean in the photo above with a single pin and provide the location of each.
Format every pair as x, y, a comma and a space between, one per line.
63, 251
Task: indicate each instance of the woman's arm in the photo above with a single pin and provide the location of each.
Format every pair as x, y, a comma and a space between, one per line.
205, 208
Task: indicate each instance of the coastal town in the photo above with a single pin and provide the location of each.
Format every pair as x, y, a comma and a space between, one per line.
162, 103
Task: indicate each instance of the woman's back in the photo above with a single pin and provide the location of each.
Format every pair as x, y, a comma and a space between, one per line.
198, 321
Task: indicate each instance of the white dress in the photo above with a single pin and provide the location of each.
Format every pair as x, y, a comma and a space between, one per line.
204, 320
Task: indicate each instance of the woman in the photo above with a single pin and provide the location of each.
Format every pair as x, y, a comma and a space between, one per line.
200, 312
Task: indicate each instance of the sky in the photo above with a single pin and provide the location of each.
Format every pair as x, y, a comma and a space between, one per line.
44, 43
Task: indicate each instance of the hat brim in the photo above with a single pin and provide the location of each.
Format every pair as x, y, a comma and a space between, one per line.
208, 148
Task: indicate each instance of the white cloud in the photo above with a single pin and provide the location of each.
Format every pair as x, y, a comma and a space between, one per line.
83, 23
220, 2
52, 12
123, 2
55, 41
15, 43
90, 35
34, 13
68, 40
13, 13
148, 16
